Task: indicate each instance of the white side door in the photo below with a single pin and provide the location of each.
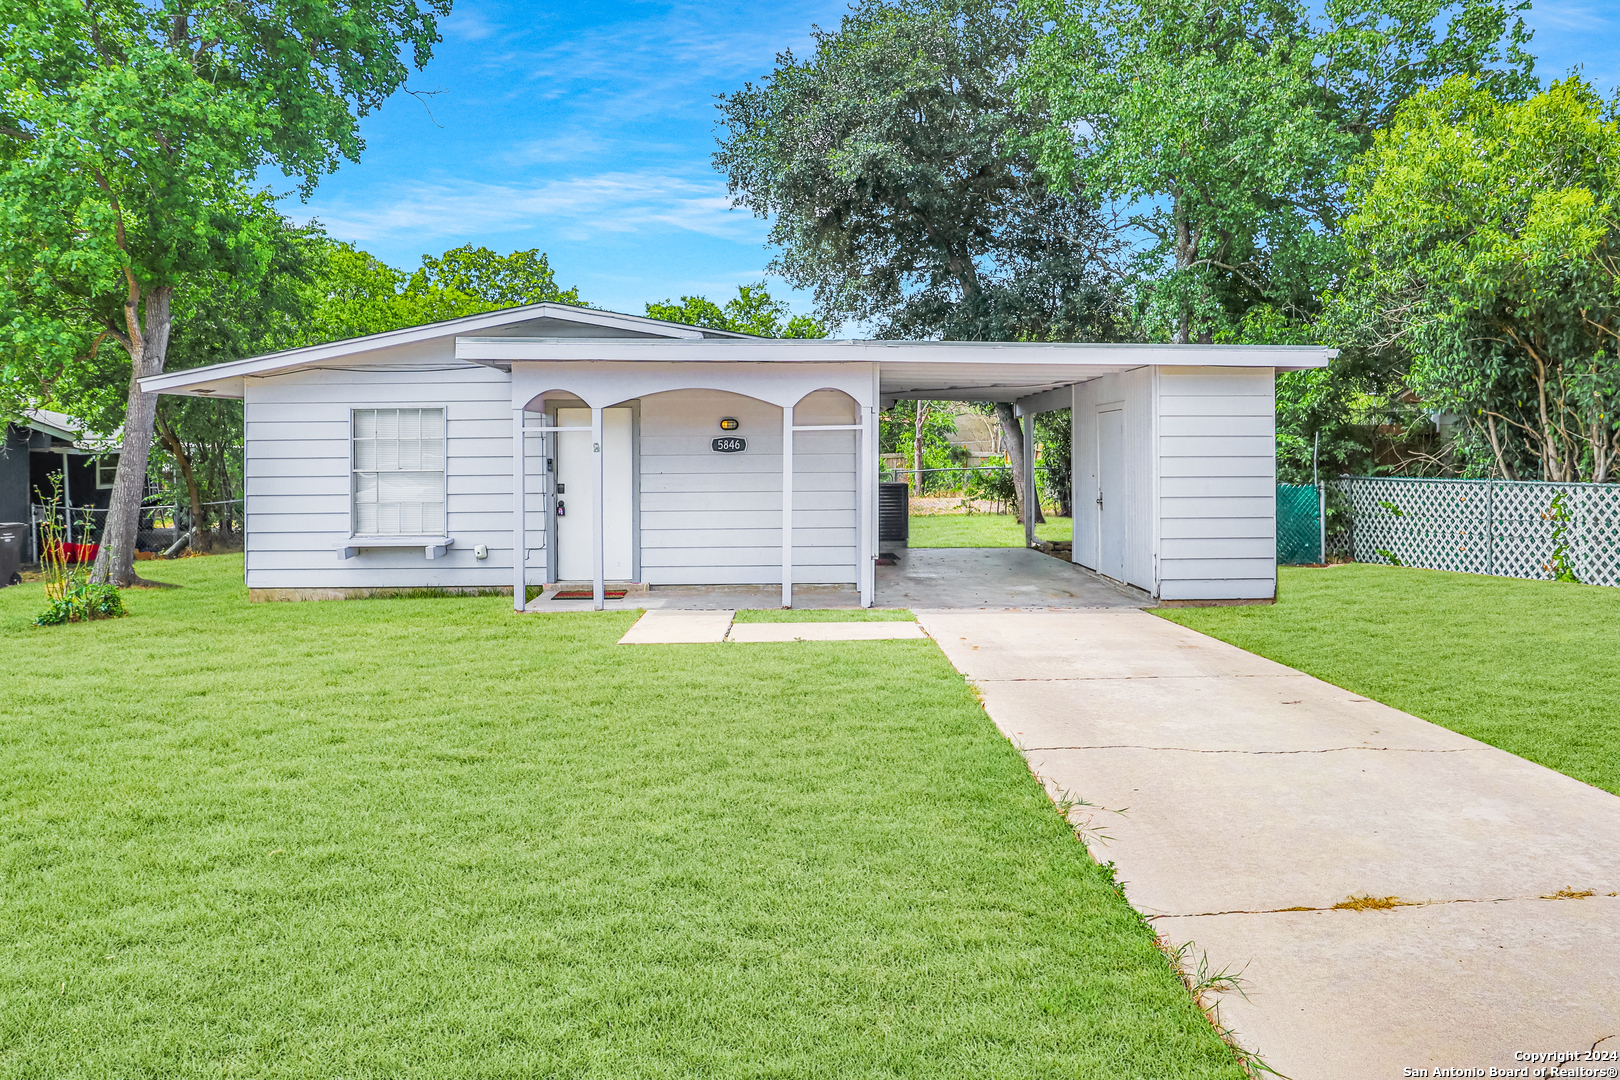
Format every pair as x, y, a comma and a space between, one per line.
575, 488
1111, 493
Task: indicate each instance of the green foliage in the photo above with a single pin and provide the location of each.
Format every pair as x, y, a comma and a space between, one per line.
128, 133
82, 601
893, 167
1486, 255
353, 293
1558, 566
1222, 131
751, 311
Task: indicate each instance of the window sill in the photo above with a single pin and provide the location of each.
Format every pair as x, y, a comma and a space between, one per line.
432, 546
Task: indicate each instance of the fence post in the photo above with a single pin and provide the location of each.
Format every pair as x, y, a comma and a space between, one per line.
1490, 527
1321, 522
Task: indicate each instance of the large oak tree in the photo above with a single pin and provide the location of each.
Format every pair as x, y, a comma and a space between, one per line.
896, 167
130, 131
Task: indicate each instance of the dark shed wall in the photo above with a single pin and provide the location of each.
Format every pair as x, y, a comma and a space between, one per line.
14, 474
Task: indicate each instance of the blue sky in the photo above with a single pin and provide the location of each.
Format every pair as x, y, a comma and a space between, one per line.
585, 130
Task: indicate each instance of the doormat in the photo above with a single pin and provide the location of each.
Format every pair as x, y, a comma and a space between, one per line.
888, 558
586, 594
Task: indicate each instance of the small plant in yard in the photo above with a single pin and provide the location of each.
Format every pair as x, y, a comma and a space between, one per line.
69, 594
1558, 566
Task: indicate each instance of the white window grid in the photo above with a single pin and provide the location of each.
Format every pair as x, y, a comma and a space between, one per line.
398, 470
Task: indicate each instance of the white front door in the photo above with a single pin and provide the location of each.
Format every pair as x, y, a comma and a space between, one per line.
576, 485
1111, 493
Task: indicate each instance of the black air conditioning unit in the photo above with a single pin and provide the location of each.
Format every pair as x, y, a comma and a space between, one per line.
894, 513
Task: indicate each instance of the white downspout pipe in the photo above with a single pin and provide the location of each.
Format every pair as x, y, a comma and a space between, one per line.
598, 586
787, 506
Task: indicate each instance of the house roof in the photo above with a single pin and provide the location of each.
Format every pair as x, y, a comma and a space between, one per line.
936, 369
56, 425
530, 319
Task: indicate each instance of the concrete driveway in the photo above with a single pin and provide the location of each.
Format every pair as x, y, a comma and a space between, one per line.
1254, 798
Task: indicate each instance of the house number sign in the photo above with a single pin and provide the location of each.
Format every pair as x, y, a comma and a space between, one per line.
729, 444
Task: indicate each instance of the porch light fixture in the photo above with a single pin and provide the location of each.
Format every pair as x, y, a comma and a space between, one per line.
728, 423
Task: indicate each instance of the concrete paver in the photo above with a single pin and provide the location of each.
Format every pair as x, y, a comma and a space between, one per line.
678, 628
825, 631
1249, 787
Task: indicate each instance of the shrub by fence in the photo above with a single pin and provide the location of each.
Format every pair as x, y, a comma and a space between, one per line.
1508, 528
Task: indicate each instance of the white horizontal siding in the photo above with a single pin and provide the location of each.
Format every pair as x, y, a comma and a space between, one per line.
710, 518
1217, 484
298, 481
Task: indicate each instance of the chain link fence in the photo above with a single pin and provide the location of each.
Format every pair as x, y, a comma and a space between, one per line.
162, 525
1506, 528
989, 483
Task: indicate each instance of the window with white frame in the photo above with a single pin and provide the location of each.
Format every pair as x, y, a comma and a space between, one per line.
399, 472
106, 471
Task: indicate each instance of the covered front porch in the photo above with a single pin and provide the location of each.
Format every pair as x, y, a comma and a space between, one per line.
990, 579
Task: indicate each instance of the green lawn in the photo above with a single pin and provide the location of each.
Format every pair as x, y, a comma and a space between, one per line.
431, 838
980, 530
1529, 666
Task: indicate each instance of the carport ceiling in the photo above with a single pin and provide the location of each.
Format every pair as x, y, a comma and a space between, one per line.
983, 382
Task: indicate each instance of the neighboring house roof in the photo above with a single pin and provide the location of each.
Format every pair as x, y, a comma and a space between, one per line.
559, 332
56, 425
61, 427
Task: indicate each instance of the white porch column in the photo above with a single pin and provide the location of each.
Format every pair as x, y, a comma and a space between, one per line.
520, 535
598, 587
787, 506
1032, 500
866, 460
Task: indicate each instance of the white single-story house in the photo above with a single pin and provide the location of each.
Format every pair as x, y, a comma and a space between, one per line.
553, 443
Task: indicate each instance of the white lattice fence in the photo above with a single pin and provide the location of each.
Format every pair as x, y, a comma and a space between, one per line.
1501, 527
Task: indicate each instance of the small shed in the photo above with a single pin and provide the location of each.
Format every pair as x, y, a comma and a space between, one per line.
554, 443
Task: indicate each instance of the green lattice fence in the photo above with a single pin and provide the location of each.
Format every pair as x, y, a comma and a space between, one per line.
1507, 528
1299, 524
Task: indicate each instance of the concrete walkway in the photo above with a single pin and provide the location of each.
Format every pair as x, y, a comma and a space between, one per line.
1254, 798
665, 626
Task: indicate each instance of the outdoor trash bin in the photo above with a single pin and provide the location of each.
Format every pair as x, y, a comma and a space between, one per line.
13, 534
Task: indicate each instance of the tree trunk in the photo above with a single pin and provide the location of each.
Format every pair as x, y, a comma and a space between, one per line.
919, 416
148, 348
1013, 435
1184, 258
201, 542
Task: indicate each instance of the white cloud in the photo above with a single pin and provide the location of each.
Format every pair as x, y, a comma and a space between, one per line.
578, 208
1565, 16
468, 24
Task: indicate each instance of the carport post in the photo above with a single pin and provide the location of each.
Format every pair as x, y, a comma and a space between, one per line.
520, 539
787, 506
866, 444
1032, 500
598, 586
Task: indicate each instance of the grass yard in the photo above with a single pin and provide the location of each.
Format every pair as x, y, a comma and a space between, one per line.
980, 530
430, 838
1528, 666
